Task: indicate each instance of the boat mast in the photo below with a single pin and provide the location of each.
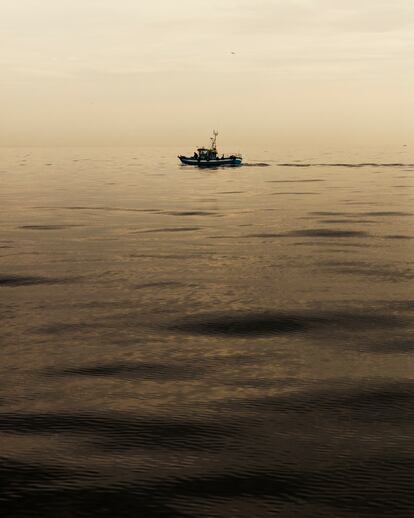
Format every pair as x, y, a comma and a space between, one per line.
213, 140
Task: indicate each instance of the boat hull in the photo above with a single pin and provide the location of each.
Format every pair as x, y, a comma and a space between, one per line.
222, 162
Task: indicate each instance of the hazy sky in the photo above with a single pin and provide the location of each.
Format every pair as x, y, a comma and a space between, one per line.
128, 72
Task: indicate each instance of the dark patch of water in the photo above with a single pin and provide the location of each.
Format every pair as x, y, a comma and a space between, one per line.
105, 209
48, 227
274, 323
309, 193
123, 431
191, 213
131, 370
306, 180
30, 280
387, 213
344, 221
398, 236
312, 232
158, 284
168, 229
258, 164
361, 164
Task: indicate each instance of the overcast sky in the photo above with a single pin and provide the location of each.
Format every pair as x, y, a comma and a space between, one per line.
128, 72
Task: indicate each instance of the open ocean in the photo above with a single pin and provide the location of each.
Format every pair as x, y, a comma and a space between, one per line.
179, 342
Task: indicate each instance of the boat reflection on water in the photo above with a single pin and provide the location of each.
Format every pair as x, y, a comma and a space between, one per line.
209, 157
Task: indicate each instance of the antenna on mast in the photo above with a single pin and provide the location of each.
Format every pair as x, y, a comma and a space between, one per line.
213, 139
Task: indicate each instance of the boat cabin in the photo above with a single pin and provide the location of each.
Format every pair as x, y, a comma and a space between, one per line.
207, 154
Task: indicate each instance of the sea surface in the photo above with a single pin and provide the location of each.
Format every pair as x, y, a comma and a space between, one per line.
180, 342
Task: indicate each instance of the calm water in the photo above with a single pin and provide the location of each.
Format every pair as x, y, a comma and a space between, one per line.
224, 343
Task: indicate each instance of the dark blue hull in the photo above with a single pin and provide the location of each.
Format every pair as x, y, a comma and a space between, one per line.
220, 162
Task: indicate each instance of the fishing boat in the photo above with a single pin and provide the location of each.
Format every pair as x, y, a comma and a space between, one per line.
209, 157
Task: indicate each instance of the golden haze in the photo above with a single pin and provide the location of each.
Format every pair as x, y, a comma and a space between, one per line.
165, 73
